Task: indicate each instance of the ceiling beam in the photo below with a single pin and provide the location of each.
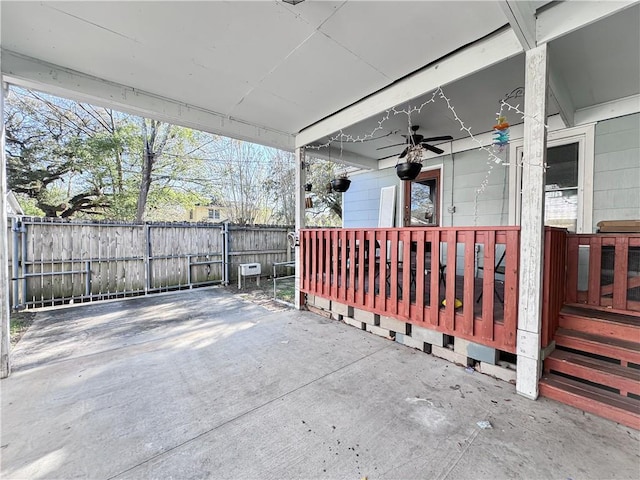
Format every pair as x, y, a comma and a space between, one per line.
345, 158
565, 17
34, 74
522, 18
476, 57
560, 93
612, 109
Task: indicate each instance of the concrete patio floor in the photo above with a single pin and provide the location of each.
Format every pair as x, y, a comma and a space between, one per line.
203, 384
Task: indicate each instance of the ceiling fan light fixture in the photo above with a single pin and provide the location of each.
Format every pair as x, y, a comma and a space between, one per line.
293, 2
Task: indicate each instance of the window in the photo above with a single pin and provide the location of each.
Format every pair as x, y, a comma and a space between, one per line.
422, 200
214, 214
569, 179
561, 187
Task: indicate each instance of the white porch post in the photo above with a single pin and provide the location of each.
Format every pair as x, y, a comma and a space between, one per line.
529, 366
5, 365
300, 222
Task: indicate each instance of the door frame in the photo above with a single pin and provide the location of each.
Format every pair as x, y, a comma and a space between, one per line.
433, 171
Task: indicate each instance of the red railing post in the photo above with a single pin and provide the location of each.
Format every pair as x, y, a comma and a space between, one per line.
468, 302
434, 297
488, 284
595, 267
553, 284
420, 275
450, 288
512, 263
620, 273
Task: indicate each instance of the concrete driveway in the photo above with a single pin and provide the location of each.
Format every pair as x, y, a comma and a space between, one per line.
202, 384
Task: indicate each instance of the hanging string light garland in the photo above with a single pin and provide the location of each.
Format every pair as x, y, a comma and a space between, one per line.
495, 152
408, 111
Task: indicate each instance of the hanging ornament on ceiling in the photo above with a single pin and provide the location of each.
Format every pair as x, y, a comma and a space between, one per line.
501, 132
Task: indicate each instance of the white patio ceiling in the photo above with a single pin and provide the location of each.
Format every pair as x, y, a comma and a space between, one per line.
265, 70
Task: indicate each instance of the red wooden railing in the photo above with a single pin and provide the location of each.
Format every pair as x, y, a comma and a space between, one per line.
603, 271
402, 273
555, 271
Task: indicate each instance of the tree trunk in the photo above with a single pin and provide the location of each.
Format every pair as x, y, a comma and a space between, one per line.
145, 182
153, 140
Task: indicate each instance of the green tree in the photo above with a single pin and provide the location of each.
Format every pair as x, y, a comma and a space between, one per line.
239, 172
327, 204
281, 186
74, 159
45, 161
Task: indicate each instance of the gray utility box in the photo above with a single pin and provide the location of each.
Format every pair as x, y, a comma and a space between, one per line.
249, 270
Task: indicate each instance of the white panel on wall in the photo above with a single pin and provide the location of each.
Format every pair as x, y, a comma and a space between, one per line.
387, 212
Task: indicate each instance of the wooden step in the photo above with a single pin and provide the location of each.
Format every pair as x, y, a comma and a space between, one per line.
634, 306
591, 399
598, 322
627, 351
594, 370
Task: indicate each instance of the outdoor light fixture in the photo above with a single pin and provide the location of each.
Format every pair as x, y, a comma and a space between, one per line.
293, 2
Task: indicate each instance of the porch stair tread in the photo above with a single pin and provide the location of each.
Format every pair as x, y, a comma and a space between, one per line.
582, 304
625, 350
586, 312
594, 370
591, 399
600, 322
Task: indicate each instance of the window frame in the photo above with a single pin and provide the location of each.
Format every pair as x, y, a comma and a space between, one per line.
584, 136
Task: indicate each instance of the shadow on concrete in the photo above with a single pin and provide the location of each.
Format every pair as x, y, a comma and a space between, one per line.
202, 384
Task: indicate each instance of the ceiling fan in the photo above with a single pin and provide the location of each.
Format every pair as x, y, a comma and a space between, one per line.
417, 139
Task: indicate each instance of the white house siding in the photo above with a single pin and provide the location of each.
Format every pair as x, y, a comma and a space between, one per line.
616, 178
362, 201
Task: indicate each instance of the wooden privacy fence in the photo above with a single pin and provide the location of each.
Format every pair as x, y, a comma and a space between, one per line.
417, 274
54, 262
603, 270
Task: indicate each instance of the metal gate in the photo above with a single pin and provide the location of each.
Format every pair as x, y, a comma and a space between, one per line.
61, 262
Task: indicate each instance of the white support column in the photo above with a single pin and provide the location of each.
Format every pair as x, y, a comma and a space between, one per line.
532, 223
300, 221
5, 364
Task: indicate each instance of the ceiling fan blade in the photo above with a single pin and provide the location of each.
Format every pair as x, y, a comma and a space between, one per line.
437, 139
432, 148
389, 146
404, 153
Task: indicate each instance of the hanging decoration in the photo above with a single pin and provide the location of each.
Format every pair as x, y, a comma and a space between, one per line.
494, 150
501, 132
500, 142
341, 183
308, 200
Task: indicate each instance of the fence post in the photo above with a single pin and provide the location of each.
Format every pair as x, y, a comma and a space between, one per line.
23, 260
225, 252
5, 327
15, 263
147, 258
87, 280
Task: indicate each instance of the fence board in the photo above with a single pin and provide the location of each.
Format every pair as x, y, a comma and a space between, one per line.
61, 261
